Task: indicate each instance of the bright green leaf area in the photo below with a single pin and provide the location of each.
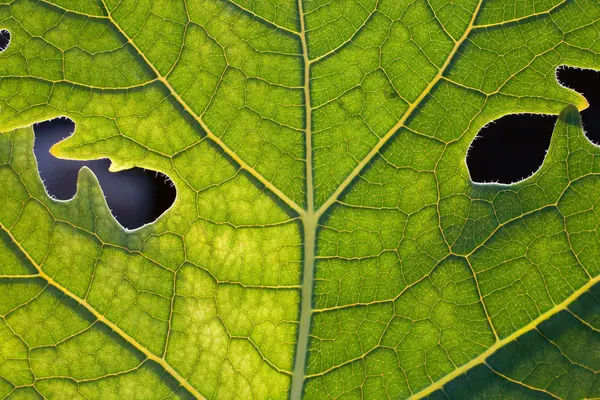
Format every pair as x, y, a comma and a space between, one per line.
326, 240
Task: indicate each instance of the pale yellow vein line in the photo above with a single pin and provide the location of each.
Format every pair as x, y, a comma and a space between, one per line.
343, 44
365, 161
503, 342
487, 315
584, 322
79, 84
291, 203
151, 356
523, 384
54, 5
264, 20
519, 19
29, 276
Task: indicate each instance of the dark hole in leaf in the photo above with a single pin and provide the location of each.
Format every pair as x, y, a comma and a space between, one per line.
586, 82
511, 148
135, 197
4, 39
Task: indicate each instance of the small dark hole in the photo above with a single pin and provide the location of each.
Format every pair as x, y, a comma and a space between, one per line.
135, 196
510, 149
586, 82
4, 39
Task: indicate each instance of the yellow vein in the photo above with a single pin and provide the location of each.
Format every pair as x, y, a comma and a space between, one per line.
523, 18
151, 356
584, 322
292, 204
28, 276
56, 6
503, 342
343, 44
365, 161
487, 315
262, 19
523, 384
79, 84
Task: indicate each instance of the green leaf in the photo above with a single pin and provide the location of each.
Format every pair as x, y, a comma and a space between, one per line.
326, 239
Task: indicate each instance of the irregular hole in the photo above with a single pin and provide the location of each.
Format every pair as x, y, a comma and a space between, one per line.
586, 82
136, 196
4, 39
510, 149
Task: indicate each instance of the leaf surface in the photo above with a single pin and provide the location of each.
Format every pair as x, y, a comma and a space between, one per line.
326, 240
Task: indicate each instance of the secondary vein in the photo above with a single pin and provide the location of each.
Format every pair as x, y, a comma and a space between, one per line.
83, 303
375, 150
503, 342
282, 196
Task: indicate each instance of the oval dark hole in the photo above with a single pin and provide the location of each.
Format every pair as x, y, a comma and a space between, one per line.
4, 39
510, 149
135, 197
586, 82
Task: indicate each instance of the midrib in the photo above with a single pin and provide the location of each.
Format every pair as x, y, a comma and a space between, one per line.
312, 216
310, 221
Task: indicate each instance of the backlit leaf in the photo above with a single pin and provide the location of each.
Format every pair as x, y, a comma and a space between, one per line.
326, 240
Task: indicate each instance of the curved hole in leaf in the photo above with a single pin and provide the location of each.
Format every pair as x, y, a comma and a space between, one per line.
4, 39
510, 149
135, 197
586, 82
